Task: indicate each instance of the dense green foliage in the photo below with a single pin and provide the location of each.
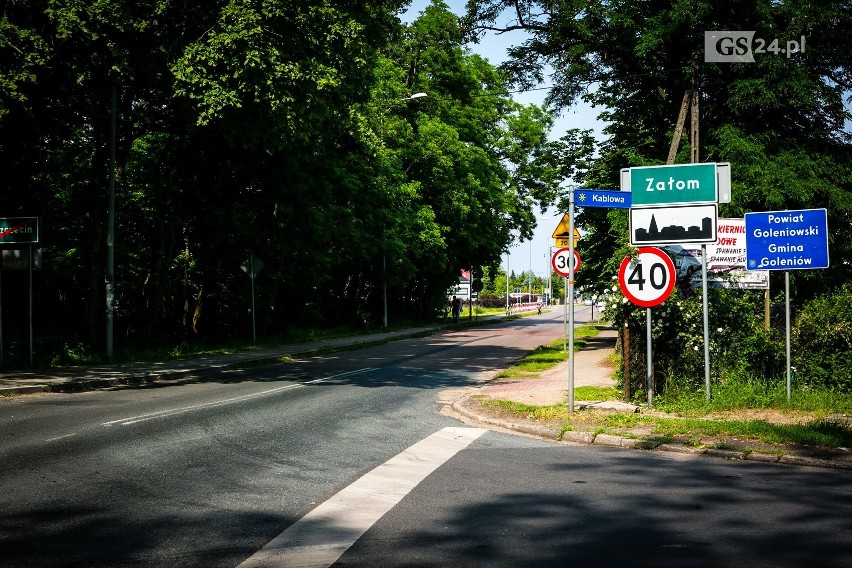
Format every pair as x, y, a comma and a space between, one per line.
782, 123
823, 339
278, 130
286, 131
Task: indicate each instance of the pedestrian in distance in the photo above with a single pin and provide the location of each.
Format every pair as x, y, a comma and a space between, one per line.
456, 309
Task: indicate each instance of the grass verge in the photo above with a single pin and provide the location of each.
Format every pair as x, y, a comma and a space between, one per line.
821, 432
547, 356
686, 415
736, 394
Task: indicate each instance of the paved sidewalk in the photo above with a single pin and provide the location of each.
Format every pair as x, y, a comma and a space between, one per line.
591, 368
69, 379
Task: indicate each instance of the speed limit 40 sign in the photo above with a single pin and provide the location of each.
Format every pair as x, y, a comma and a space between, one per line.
648, 279
561, 265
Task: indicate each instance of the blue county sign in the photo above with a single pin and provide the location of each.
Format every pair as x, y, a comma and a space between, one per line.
667, 185
673, 225
787, 240
602, 198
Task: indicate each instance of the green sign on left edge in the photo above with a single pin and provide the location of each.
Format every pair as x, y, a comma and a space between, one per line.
666, 185
19, 230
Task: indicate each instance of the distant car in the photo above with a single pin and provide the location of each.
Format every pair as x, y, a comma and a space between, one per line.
587, 302
685, 263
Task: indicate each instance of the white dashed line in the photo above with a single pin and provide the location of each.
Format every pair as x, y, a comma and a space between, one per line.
173, 411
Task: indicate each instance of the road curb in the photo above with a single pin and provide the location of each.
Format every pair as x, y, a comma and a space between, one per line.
199, 373
590, 438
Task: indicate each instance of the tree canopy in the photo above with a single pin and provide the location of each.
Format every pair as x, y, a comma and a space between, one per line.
782, 121
285, 131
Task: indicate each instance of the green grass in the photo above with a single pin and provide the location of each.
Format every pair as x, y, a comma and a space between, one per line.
815, 433
597, 393
823, 433
689, 406
532, 412
739, 394
547, 356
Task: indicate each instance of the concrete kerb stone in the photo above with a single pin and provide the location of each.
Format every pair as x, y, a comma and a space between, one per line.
725, 454
607, 440
27, 389
762, 457
578, 437
814, 462
531, 429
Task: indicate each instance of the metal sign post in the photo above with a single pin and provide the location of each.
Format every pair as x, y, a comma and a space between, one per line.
706, 314
565, 317
787, 334
1, 312
649, 358
251, 267
570, 300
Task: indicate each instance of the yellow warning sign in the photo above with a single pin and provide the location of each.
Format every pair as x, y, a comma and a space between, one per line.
563, 231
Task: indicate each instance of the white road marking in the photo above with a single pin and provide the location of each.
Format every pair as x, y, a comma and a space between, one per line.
62, 437
320, 538
174, 411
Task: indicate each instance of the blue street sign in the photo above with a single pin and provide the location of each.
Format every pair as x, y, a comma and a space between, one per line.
787, 240
602, 198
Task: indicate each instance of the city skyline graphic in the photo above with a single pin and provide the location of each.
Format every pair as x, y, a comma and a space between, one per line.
673, 225
676, 232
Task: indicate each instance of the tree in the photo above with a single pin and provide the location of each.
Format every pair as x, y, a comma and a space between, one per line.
463, 167
779, 121
272, 130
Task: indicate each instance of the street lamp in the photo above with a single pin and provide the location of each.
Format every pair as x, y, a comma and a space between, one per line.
549, 274
384, 255
529, 296
507, 281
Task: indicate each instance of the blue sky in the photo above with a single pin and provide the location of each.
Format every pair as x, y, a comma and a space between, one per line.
528, 255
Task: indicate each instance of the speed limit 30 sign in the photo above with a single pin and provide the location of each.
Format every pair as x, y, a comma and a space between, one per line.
560, 262
648, 279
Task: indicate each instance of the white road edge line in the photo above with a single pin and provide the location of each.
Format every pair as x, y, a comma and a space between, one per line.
171, 412
320, 538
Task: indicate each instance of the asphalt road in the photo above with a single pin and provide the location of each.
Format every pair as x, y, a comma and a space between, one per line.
207, 474
505, 503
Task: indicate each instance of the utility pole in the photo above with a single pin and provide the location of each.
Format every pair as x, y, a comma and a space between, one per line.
678, 133
110, 267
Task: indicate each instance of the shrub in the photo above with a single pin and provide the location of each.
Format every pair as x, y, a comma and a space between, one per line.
822, 336
488, 301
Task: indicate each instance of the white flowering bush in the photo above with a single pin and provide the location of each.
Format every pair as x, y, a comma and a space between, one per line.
739, 346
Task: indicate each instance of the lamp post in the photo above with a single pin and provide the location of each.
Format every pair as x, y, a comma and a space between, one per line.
507, 281
529, 297
549, 274
384, 252
110, 267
